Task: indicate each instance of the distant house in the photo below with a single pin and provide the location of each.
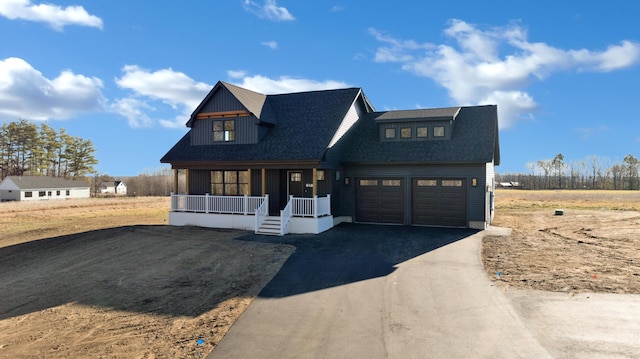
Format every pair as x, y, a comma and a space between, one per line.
509, 184
116, 187
303, 162
34, 188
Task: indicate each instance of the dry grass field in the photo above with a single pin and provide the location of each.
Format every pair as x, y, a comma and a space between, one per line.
594, 246
106, 278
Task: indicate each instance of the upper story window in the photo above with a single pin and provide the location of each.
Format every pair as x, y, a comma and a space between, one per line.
224, 131
405, 132
438, 131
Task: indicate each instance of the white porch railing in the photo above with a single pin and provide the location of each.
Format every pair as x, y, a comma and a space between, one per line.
285, 217
216, 204
311, 207
248, 205
262, 212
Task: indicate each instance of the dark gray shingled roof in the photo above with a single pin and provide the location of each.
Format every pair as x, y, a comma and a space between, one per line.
43, 182
474, 140
305, 125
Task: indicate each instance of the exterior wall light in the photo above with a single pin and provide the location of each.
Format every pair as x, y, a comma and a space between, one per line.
347, 181
474, 182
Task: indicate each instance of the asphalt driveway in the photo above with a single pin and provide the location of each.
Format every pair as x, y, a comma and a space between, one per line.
365, 291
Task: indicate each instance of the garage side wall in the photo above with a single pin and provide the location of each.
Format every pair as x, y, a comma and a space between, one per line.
476, 194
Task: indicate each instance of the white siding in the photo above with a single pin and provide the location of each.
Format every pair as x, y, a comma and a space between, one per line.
350, 118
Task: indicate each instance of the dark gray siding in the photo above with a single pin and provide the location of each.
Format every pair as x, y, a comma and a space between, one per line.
199, 181
222, 100
476, 195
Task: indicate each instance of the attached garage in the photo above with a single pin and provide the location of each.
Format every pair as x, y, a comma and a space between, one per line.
433, 201
439, 202
380, 200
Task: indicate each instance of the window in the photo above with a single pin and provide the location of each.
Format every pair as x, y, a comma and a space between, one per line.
438, 131
391, 183
365, 183
319, 175
28, 194
427, 183
390, 133
295, 176
224, 131
451, 183
422, 132
42, 194
405, 132
57, 193
229, 183
68, 192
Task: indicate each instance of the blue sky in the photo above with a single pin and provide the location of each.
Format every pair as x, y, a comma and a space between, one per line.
127, 74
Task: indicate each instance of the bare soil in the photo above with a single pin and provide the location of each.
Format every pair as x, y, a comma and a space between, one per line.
594, 246
105, 278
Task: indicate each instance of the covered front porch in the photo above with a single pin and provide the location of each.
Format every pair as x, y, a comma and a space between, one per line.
300, 215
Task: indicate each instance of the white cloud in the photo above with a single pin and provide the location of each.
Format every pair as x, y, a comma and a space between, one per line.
270, 10
54, 15
26, 93
270, 44
134, 110
286, 84
237, 74
495, 65
179, 91
337, 8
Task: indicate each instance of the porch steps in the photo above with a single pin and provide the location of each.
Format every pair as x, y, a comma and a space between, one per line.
270, 226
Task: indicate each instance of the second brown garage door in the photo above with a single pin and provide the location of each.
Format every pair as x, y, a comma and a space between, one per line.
439, 202
380, 200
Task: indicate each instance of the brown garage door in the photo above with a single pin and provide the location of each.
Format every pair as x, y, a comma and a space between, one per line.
380, 200
439, 202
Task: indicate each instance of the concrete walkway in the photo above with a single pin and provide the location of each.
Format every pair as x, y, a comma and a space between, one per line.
435, 303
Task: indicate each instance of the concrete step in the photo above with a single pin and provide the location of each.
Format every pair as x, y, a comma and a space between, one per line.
270, 226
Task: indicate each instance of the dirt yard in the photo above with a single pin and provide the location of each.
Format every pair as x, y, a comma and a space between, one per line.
105, 278
594, 246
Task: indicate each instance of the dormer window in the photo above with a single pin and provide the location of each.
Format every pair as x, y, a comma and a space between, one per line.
390, 133
422, 132
224, 131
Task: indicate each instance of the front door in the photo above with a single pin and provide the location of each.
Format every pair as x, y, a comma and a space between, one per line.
296, 187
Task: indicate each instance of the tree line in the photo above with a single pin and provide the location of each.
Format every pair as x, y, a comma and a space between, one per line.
592, 172
157, 182
27, 149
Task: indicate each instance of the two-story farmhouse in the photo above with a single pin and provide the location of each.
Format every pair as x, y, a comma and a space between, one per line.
113, 187
303, 162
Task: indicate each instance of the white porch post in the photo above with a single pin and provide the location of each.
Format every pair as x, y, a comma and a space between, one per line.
314, 182
315, 206
246, 204
206, 203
